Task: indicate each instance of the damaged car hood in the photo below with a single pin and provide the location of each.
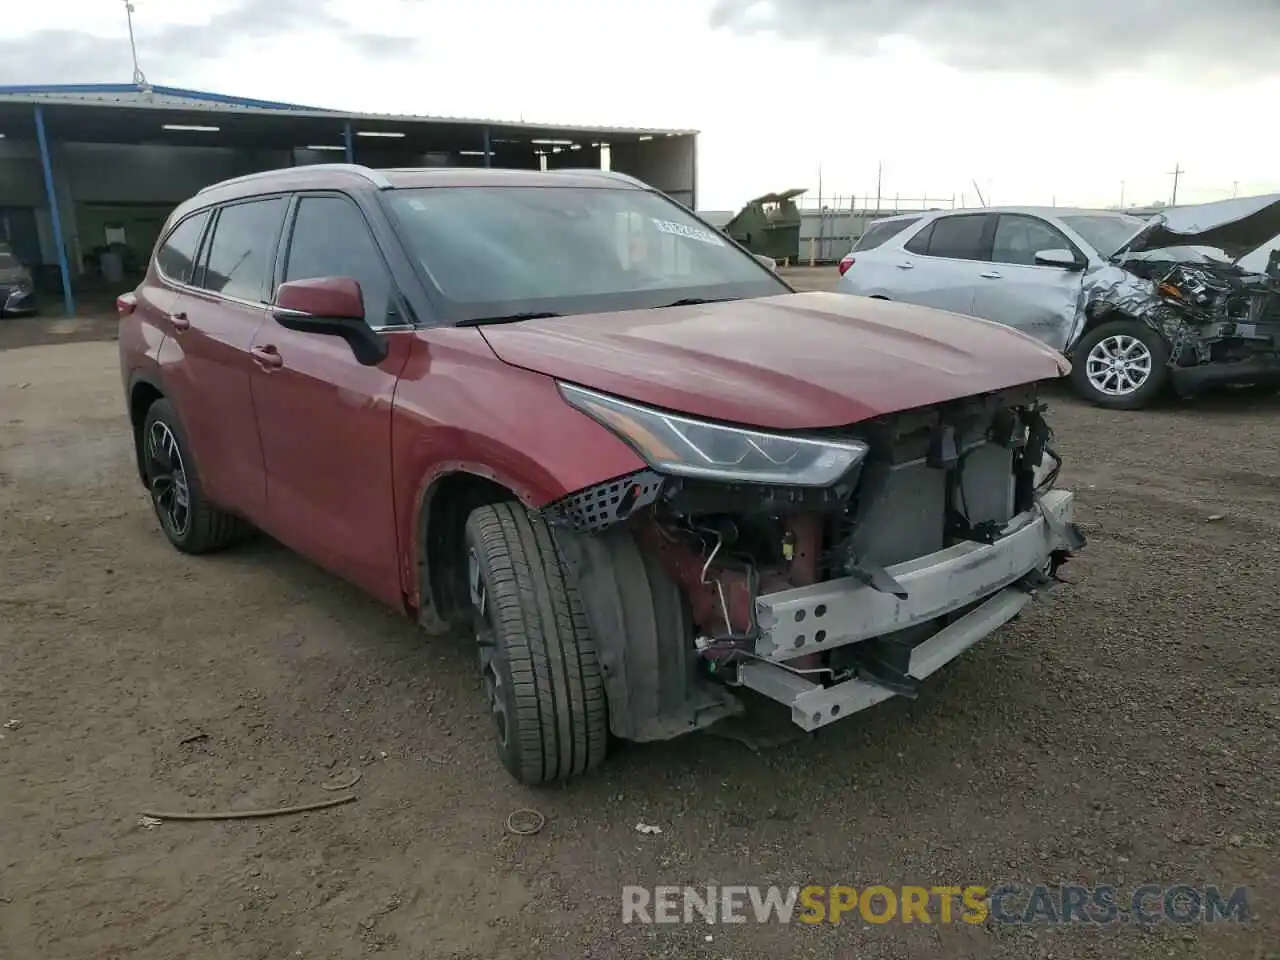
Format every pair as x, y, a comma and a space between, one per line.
1237, 227
796, 361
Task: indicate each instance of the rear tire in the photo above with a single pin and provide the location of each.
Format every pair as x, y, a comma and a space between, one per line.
189, 521
542, 675
1120, 365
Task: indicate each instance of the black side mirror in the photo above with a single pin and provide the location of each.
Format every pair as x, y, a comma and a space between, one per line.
330, 306
1064, 259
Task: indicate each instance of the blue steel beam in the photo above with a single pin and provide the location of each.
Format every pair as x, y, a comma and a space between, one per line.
68, 301
348, 142
488, 154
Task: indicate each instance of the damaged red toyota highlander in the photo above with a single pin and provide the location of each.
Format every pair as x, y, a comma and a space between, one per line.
559, 410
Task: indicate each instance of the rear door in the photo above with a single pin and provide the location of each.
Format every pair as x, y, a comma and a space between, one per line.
941, 264
213, 321
871, 267
325, 419
1039, 301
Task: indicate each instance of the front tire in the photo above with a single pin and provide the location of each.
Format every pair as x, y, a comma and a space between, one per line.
1120, 365
541, 672
189, 521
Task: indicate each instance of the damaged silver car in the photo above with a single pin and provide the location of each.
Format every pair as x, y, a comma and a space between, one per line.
1136, 304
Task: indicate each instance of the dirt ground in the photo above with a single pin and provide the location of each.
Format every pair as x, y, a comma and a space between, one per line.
1126, 730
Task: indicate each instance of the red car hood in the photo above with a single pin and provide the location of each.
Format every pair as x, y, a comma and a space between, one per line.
797, 361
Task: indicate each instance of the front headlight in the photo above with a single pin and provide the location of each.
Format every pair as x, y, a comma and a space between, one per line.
692, 448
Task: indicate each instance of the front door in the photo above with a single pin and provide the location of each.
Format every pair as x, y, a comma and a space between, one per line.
325, 419
212, 324
1038, 300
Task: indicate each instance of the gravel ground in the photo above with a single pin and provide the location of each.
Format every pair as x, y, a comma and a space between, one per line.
1123, 731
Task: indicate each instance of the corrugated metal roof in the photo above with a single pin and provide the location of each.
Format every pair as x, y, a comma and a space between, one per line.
177, 98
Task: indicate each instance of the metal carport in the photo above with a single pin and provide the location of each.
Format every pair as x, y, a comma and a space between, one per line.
83, 163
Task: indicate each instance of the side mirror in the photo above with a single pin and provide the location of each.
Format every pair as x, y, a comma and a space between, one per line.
769, 262
330, 306
1064, 259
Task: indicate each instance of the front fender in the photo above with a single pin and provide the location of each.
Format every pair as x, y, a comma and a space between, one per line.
459, 409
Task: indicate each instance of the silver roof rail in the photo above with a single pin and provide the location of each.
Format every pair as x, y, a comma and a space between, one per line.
375, 177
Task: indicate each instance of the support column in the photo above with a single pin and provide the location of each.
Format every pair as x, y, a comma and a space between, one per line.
68, 301
348, 142
488, 153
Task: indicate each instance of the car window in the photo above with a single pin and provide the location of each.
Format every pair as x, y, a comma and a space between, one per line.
959, 238
920, 242
242, 252
878, 233
499, 250
176, 257
1102, 231
1019, 238
331, 239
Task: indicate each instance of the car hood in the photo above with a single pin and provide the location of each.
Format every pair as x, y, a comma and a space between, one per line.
1237, 226
796, 361
14, 274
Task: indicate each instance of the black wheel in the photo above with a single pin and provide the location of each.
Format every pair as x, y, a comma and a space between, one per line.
541, 673
188, 519
1121, 364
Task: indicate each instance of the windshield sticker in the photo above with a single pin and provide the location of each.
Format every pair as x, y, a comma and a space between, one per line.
692, 233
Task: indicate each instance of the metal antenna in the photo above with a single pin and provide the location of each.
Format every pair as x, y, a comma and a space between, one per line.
139, 79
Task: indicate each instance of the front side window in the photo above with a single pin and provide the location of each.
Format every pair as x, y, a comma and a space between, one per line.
176, 257
495, 251
1019, 238
242, 252
331, 239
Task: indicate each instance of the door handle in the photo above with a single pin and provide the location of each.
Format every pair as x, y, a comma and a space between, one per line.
179, 320
267, 357
990, 275
906, 266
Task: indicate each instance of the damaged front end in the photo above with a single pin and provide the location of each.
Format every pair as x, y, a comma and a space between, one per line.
1181, 276
901, 542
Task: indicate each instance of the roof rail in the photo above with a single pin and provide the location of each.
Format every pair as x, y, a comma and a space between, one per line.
375, 177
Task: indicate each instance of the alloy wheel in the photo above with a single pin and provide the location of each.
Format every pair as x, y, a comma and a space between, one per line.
168, 475
1118, 365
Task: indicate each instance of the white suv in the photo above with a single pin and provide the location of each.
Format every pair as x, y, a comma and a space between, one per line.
1019, 266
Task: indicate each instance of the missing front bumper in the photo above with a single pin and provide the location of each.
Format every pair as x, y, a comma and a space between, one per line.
829, 615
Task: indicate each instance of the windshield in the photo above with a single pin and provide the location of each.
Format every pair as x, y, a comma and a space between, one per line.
499, 251
1104, 232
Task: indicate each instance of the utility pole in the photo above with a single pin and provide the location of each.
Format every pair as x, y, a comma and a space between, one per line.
138, 79
1176, 172
1235, 188
1121, 194
879, 173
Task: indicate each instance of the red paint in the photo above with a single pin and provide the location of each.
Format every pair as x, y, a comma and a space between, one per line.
335, 297
337, 459
803, 360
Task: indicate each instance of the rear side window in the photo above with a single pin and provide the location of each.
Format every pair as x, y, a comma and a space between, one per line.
957, 238
176, 257
242, 252
880, 232
331, 239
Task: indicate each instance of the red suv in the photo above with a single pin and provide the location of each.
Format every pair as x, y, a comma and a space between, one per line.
559, 409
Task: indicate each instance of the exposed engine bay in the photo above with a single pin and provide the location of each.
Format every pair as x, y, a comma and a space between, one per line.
1181, 275
935, 482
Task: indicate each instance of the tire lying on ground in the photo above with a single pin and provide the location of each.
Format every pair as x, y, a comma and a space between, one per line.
189, 521
541, 672
1121, 364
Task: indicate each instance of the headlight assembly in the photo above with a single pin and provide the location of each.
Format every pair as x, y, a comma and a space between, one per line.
692, 448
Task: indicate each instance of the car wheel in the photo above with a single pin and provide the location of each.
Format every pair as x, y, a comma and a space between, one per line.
541, 674
1123, 365
188, 519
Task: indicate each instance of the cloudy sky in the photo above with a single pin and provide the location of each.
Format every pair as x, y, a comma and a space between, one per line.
1036, 102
